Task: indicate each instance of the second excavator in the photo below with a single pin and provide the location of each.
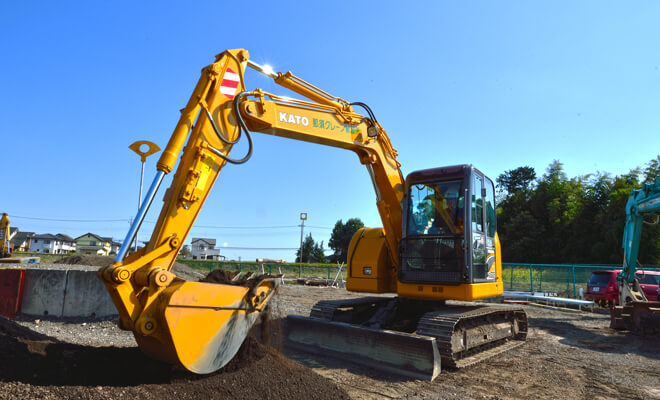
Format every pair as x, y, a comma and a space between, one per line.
5, 236
438, 242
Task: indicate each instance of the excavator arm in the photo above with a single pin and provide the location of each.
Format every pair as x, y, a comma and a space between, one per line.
634, 312
641, 203
202, 325
305, 121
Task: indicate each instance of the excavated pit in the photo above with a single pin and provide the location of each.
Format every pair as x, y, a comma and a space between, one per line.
233, 278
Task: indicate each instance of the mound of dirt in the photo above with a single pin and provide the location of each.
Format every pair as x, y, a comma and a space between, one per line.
181, 270
84, 259
232, 278
40, 366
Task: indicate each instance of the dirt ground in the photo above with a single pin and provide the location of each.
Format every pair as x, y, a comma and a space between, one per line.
568, 355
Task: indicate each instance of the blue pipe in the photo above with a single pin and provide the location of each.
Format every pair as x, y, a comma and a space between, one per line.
142, 212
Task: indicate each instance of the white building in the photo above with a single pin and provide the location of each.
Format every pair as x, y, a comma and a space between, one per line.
67, 243
204, 249
52, 244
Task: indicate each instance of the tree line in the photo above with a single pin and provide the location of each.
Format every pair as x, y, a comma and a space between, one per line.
556, 220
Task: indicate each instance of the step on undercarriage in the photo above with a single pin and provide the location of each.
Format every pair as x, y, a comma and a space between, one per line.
408, 337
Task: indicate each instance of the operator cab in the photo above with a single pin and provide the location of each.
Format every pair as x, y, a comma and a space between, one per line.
448, 227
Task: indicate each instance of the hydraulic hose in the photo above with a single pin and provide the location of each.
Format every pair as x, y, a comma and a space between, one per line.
241, 127
366, 107
372, 118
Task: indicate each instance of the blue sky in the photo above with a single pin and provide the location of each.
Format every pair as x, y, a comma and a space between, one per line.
496, 84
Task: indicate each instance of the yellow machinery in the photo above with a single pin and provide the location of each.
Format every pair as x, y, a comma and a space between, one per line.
438, 242
5, 246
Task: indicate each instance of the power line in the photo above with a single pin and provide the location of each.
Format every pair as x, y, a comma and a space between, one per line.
253, 227
153, 222
245, 227
70, 220
256, 248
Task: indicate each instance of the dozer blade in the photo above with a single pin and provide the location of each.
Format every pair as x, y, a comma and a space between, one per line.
401, 353
202, 325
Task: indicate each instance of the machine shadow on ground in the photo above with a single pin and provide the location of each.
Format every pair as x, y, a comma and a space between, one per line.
602, 340
33, 358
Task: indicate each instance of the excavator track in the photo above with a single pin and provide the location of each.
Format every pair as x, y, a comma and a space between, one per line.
330, 310
466, 335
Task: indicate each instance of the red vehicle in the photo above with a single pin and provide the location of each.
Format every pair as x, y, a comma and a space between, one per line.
649, 281
603, 287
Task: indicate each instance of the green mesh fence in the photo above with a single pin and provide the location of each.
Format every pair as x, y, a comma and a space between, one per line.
563, 279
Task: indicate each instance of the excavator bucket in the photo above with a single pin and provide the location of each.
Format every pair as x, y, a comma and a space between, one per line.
638, 317
200, 325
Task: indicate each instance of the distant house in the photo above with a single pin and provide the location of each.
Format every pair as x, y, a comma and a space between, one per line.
21, 240
52, 244
9, 240
68, 244
204, 249
91, 243
114, 246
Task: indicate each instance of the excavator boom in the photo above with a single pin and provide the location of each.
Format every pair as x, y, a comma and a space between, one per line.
195, 324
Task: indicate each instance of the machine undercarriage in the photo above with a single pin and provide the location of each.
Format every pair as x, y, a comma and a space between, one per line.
418, 336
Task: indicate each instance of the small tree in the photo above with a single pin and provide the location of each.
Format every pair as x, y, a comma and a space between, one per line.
311, 251
318, 254
185, 252
341, 237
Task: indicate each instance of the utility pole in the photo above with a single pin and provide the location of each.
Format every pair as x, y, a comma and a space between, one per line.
143, 152
303, 217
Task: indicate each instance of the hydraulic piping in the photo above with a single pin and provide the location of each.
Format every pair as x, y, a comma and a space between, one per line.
241, 127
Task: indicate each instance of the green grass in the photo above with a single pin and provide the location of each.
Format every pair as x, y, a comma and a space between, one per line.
43, 257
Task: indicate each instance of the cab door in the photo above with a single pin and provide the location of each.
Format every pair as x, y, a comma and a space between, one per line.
482, 228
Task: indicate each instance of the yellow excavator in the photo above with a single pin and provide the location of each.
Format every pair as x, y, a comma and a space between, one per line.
438, 242
5, 236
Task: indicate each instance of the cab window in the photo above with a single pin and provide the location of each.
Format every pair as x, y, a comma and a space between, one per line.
477, 204
490, 209
436, 209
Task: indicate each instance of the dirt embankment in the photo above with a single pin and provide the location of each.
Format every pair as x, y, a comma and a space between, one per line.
181, 270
